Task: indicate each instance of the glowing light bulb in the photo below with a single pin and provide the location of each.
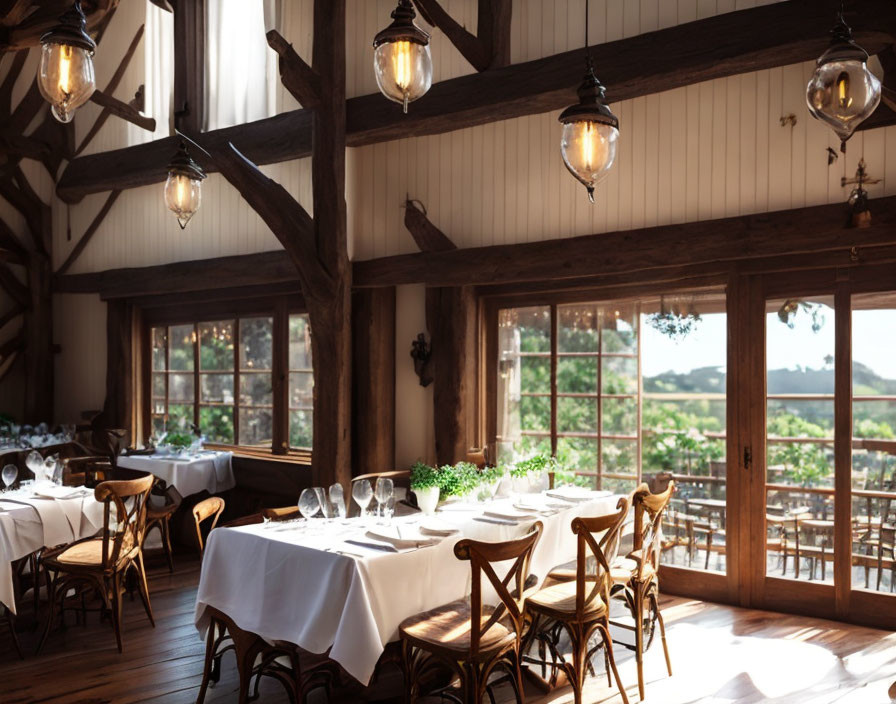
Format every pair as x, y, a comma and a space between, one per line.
843, 91
65, 69
65, 75
401, 61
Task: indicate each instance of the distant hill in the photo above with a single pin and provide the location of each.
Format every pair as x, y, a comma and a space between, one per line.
780, 381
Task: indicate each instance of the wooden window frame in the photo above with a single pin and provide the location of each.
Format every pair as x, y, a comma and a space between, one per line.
214, 306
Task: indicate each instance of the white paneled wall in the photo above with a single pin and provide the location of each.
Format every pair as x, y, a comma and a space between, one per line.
712, 150
140, 231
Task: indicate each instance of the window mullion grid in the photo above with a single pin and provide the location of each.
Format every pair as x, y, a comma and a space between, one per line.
167, 377
196, 385
600, 401
554, 345
236, 381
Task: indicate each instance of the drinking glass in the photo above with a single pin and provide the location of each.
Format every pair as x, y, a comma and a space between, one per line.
308, 503
325, 507
385, 490
35, 463
389, 510
337, 498
10, 473
362, 493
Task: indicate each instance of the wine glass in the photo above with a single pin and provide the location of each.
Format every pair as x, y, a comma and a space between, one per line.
362, 493
309, 504
389, 510
325, 507
35, 463
337, 498
385, 490
10, 473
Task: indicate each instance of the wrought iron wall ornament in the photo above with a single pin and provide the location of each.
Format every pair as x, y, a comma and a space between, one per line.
421, 353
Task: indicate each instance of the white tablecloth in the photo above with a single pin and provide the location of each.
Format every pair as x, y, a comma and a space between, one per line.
285, 585
210, 471
28, 523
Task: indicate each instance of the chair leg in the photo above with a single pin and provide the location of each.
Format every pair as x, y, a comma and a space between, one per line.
517, 661
143, 588
51, 608
210, 640
166, 543
115, 584
639, 637
659, 618
608, 645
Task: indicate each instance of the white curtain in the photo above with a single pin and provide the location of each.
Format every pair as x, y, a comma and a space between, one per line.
158, 59
240, 75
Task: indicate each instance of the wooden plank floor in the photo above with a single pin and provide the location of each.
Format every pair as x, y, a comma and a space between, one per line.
719, 654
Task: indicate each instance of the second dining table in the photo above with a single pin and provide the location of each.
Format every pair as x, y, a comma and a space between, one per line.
209, 470
345, 586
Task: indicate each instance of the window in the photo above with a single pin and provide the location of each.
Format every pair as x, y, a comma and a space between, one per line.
621, 389
219, 375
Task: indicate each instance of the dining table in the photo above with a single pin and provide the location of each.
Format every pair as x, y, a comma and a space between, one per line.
208, 470
345, 585
41, 515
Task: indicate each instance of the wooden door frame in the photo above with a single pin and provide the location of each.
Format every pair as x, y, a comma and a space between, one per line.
755, 589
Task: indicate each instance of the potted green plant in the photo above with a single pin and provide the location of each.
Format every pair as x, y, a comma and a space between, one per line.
491, 479
425, 482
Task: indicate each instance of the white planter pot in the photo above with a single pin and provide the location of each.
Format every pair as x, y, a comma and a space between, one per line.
427, 499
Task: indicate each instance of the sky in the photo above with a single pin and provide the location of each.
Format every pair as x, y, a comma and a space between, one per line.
874, 344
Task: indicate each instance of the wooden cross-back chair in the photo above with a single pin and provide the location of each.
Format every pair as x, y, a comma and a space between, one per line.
581, 606
159, 516
212, 507
471, 638
640, 584
101, 563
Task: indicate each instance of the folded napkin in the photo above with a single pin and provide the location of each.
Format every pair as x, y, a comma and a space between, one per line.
401, 537
61, 492
498, 521
576, 493
434, 526
509, 513
371, 545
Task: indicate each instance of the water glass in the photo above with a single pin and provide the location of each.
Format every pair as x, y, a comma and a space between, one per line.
385, 490
10, 473
362, 493
326, 507
309, 504
337, 498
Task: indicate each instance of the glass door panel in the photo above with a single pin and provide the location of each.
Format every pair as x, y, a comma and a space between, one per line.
684, 348
873, 480
800, 438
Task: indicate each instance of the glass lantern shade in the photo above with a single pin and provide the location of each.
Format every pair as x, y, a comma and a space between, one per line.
402, 62
842, 92
403, 70
65, 76
589, 150
590, 133
183, 195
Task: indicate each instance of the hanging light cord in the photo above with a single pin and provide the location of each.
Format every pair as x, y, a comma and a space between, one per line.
587, 45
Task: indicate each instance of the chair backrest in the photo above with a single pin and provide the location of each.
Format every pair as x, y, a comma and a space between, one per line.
482, 557
212, 506
590, 586
649, 510
399, 477
85, 471
123, 533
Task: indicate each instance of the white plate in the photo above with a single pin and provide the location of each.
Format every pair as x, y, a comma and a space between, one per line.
511, 514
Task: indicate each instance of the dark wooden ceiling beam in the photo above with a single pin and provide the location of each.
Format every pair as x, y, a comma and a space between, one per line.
427, 236
789, 232
122, 110
787, 240
15, 288
736, 42
487, 49
28, 29
297, 77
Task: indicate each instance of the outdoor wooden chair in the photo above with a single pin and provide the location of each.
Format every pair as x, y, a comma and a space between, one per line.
581, 607
472, 639
158, 515
212, 507
640, 582
102, 563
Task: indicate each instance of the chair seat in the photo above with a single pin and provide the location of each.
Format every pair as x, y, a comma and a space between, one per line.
87, 553
626, 569
155, 513
559, 601
447, 628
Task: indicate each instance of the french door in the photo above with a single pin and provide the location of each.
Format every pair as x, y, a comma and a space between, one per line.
814, 374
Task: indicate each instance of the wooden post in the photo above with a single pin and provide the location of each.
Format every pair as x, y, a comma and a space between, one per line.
373, 385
